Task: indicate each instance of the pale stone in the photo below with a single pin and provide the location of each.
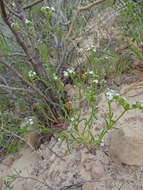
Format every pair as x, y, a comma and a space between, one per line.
127, 144
32, 139
87, 186
8, 161
97, 170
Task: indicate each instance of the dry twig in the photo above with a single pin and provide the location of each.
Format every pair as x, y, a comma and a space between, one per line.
80, 9
32, 4
16, 89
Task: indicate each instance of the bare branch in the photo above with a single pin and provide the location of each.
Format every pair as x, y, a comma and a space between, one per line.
12, 11
3, 79
85, 8
13, 54
19, 40
37, 65
89, 6
16, 89
24, 81
32, 4
19, 137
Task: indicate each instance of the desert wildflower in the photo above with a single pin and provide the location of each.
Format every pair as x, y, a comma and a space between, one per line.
92, 49
47, 9
68, 72
72, 119
31, 74
110, 95
91, 72
28, 22
65, 74
55, 77
95, 81
30, 121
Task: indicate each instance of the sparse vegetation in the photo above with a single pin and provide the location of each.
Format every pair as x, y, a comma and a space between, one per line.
38, 59
40, 63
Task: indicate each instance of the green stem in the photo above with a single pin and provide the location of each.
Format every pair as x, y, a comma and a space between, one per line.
120, 116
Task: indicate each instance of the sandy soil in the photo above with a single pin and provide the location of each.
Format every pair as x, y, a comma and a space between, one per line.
79, 169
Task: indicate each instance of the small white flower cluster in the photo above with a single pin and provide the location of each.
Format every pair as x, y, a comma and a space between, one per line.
31, 74
91, 72
92, 48
28, 22
88, 73
110, 94
106, 57
55, 77
30, 121
72, 119
69, 72
46, 9
95, 81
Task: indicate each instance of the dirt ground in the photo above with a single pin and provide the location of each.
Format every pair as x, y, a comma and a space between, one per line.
79, 169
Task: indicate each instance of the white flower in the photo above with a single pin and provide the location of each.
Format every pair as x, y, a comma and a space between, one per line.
110, 94
28, 22
91, 72
45, 9
72, 119
31, 74
52, 9
59, 139
55, 77
92, 48
66, 74
95, 81
30, 121
71, 71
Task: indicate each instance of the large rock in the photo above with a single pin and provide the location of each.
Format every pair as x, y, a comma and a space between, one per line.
127, 143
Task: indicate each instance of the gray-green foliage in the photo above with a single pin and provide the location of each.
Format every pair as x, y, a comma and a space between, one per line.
131, 25
43, 36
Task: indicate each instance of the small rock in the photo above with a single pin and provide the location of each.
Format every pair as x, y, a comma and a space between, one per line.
88, 166
126, 145
87, 186
8, 161
97, 170
32, 139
